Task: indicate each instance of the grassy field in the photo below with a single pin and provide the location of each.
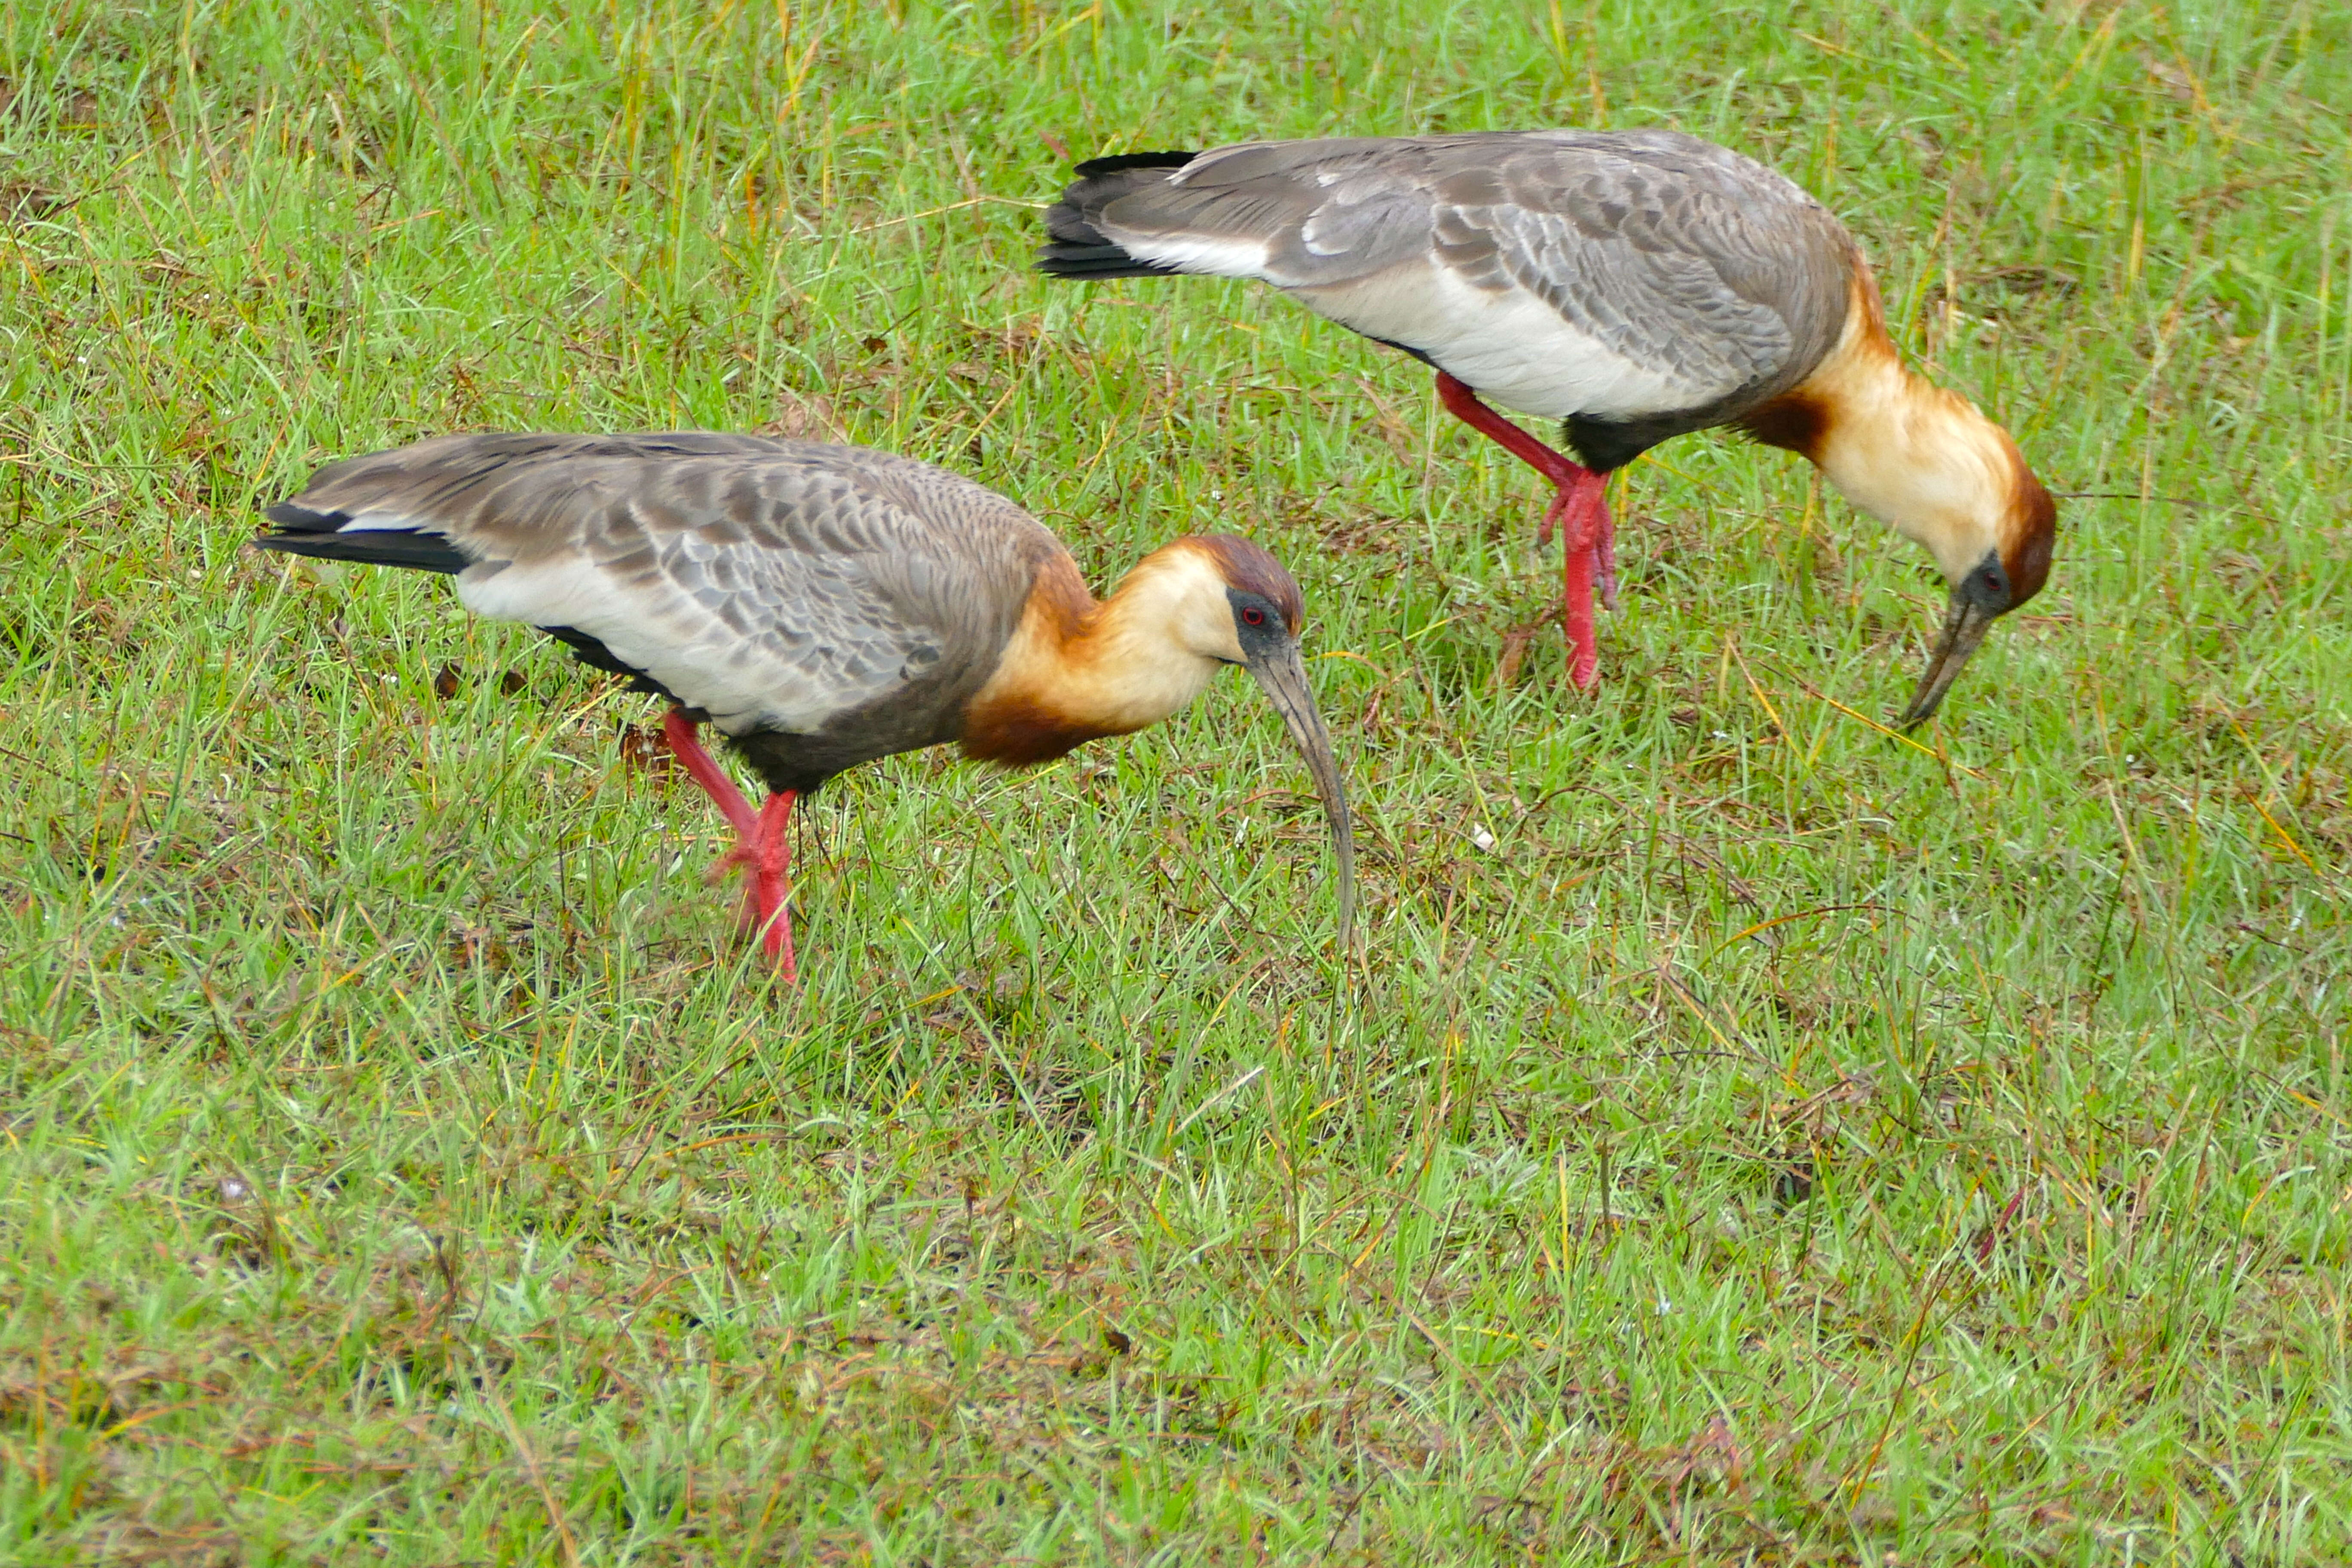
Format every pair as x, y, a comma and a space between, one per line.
1746, 1138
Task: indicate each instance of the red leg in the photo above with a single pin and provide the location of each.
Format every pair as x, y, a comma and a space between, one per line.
761, 848
1604, 548
1464, 405
772, 860
680, 730
1577, 502
1576, 598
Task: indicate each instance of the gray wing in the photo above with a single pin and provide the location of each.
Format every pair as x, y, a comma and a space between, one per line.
775, 585
1669, 252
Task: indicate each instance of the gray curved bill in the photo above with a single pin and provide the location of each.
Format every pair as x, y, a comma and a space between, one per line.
1964, 628
1283, 676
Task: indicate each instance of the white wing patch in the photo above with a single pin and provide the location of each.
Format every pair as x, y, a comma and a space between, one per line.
1509, 344
702, 664
1216, 255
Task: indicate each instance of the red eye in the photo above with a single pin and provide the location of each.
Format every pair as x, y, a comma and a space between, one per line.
1253, 616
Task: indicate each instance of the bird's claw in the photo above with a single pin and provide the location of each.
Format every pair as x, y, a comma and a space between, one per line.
1544, 530
744, 856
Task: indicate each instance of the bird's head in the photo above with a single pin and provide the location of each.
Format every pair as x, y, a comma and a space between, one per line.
1255, 622
1926, 462
1234, 596
1992, 527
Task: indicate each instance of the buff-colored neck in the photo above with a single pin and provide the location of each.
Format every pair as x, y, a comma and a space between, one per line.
1918, 458
1079, 668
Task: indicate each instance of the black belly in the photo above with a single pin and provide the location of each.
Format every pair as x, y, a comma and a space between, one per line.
1605, 445
803, 764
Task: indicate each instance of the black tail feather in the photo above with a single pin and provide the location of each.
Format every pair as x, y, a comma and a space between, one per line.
318, 534
1120, 163
1076, 249
1105, 260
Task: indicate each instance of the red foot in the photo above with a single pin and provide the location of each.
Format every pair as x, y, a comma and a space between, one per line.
1578, 504
764, 854
762, 850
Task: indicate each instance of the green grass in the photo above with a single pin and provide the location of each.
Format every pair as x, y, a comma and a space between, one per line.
1783, 1144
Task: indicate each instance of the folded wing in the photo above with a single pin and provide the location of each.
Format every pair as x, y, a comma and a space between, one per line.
775, 585
1631, 272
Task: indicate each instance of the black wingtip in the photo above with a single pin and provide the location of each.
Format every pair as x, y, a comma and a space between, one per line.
376, 547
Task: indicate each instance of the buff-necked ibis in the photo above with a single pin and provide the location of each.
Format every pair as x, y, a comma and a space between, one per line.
821, 605
1635, 284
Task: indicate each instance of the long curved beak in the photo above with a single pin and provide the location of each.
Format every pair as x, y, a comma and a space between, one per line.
1965, 625
1283, 676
